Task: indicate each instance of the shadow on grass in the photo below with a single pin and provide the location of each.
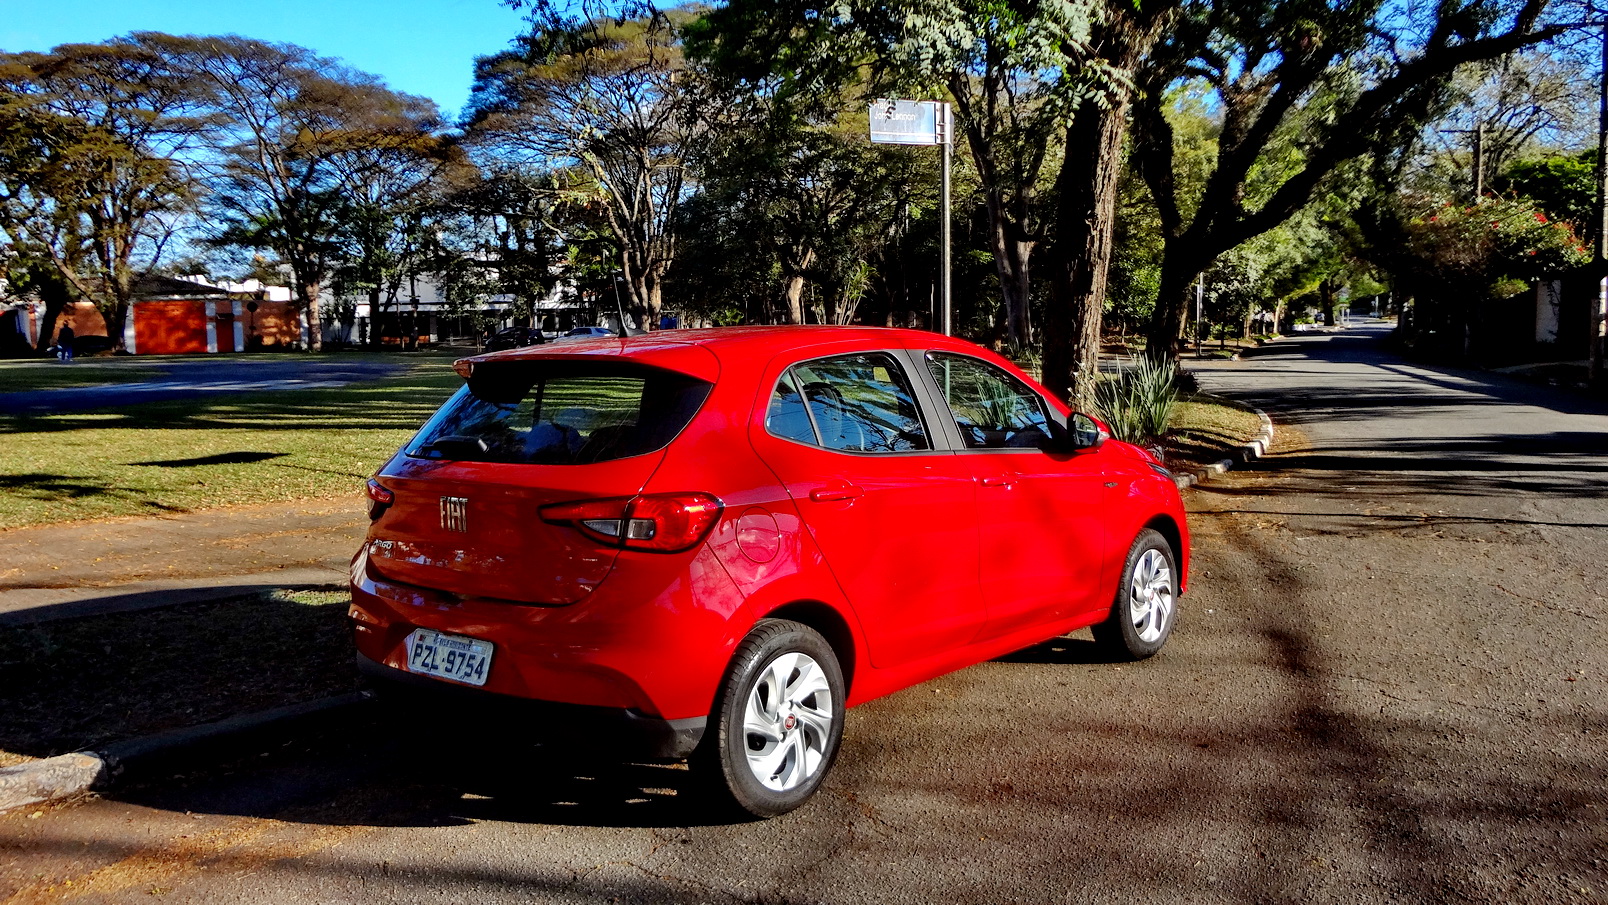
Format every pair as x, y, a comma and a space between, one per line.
228, 458
56, 487
306, 411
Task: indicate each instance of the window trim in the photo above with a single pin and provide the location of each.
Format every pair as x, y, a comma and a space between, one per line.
628, 369
950, 423
937, 441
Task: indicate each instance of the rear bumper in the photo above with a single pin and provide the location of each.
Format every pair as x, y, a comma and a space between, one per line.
652, 647
579, 726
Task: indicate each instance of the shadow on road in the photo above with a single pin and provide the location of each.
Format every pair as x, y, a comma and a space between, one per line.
1063, 651
1400, 383
381, 769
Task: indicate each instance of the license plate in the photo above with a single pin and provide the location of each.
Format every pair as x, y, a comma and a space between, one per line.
449, 656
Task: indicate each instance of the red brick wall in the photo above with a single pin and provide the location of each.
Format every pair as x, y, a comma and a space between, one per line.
170, 328
273, 324
85, 318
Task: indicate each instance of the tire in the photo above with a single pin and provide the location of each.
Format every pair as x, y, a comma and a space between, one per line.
1146, 604
777, 722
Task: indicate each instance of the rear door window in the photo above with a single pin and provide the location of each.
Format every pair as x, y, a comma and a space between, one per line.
560, 413
852, 403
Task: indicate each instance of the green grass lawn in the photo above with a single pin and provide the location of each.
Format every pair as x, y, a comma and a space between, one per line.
304, 444
215, 451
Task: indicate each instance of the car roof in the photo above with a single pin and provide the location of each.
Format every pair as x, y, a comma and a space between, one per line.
672, 349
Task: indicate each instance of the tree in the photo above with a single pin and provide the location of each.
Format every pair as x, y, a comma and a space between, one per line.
302, 144
608, 98
501, 235
1303, 87
1455, 257
1015, 73
1086, 188
1564, 185
1523, 105
90, 180
818, 197
394, 186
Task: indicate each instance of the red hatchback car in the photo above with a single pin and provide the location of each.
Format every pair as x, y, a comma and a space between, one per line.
708, 544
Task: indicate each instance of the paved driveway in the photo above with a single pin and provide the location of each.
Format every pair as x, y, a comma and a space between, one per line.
197, 378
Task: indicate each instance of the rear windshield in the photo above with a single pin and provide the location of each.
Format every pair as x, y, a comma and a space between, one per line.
560, 413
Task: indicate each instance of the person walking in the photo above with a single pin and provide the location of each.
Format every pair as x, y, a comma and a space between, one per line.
64, 344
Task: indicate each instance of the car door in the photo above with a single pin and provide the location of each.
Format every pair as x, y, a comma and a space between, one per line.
1040, 514
890, 513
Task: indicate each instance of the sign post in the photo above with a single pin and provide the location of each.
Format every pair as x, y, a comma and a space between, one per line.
898, 122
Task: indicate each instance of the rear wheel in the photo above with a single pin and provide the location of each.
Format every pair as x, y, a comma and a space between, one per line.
1146, 604
778, 720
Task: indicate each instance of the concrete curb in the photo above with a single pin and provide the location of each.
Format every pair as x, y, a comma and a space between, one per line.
1245, 452
71, 774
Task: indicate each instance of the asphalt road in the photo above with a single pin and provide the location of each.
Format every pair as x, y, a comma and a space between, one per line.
1387, 686
196, 378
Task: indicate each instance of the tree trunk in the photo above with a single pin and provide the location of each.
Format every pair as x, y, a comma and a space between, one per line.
374, 315
655, 300
115, 322
1087, 189
1181, 264
1081, 257
793, 297
1011, 264
795, 260
309, 299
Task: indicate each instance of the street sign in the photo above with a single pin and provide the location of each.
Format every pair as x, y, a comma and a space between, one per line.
895, 122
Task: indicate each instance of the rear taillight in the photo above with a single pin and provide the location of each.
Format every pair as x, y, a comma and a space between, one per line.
659, 522
380, 498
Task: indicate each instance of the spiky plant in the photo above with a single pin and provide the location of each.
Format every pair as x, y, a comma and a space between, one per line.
1137, 402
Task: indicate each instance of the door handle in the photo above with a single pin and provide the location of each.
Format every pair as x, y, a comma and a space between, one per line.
836, 493
999, 480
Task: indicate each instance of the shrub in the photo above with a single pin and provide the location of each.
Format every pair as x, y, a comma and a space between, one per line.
1137, 403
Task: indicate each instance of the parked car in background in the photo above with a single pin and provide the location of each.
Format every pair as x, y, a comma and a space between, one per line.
585, 333
515, 338
709, 544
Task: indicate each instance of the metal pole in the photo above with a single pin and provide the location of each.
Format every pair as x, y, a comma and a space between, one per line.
946, 125
1599, 312
1200, 306
1479, 160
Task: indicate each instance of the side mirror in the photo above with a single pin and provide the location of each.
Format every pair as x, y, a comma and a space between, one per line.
1077, 433
1087, 432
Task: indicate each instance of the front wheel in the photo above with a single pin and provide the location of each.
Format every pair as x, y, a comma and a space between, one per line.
778, 720
1146, 604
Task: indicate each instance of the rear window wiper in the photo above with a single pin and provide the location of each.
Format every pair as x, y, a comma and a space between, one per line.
454, 448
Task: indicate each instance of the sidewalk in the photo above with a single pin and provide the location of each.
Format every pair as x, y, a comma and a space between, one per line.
57, 572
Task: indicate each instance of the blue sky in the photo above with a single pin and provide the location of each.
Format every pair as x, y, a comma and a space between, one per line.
424, 47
